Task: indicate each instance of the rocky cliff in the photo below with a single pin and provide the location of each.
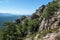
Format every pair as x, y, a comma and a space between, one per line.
44, 24
49, 28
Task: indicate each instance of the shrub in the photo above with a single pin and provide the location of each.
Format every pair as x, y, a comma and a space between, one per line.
50, 9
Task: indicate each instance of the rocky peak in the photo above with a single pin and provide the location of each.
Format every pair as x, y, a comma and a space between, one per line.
40, 10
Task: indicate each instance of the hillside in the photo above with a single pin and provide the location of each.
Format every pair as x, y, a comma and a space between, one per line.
44, 24
10, 18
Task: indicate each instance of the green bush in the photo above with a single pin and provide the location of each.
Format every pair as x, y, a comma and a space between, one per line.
50, 9
33, 24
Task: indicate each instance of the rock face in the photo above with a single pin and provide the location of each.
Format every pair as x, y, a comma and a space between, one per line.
53, 22
47, 24
40, 10
52, 36
42, 25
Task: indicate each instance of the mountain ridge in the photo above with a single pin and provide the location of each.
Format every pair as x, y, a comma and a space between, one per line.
44, 24
6, 14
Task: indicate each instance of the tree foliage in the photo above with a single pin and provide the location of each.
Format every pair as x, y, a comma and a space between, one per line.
22, 27
50, 9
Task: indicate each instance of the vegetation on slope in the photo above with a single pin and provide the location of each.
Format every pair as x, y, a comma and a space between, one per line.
50, 9
20, 29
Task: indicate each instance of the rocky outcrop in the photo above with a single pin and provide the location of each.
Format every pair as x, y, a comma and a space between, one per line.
38, 12
52, 36
41, 24
20, 20
46, 24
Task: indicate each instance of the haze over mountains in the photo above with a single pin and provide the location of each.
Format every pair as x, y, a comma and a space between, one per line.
7, 17
6, 14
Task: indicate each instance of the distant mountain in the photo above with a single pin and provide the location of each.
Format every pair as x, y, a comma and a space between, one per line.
7, 17
6, 14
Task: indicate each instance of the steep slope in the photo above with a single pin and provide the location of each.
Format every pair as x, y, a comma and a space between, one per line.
49, 24
45, 21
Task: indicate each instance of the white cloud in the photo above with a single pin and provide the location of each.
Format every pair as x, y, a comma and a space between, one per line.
21, 12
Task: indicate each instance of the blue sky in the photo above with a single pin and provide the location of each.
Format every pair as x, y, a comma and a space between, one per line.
22, 7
